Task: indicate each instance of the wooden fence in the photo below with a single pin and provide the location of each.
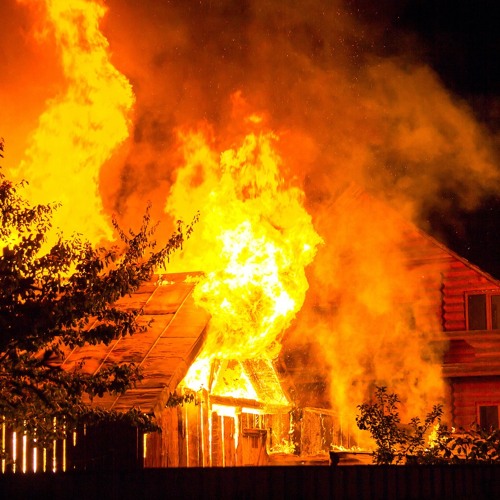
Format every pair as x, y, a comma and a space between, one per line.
304, 482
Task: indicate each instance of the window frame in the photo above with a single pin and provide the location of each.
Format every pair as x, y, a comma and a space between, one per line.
489, 318
486, 404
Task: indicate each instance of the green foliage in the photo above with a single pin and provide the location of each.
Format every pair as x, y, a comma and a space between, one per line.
59, 297
394, 441
397, 444
474, 445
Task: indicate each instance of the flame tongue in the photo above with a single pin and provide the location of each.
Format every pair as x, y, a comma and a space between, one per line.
256, 239
249, 300
80, 129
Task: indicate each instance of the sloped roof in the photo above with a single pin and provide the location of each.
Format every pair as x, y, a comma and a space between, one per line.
419, 246
164, 352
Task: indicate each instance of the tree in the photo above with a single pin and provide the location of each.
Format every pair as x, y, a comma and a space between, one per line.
60, 296
395, 442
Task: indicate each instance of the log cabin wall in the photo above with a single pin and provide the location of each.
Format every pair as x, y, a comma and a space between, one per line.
476, 400
458, 281
471, 362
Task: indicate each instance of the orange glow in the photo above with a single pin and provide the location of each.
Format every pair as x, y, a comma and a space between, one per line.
14, 451
82, 126
25, 452
4, 429
253, 242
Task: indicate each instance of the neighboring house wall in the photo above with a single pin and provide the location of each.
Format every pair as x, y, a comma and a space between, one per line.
476, 399
467, 303
459, 283
471, 304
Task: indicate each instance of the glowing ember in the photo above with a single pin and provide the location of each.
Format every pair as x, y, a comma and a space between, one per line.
80, 128
254, 240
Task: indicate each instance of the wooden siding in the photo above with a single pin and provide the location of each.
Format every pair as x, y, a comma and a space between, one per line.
469, 393
457, 281
223, 443
162, 448
193, 437
472, 353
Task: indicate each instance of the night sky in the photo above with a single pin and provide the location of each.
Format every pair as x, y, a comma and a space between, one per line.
460, 40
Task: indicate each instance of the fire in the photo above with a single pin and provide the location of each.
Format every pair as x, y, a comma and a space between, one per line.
80, 128
253, 243
255, 238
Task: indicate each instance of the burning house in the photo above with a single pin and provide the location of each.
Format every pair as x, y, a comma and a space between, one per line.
298, 291
230, 410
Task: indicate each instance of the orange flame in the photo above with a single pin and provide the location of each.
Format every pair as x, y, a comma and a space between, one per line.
253, 242
80, 128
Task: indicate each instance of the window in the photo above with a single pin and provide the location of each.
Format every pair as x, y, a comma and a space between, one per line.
488, 417
495, 310
483, 311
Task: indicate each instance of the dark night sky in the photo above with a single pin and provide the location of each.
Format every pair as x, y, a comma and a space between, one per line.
464, 47
461, 41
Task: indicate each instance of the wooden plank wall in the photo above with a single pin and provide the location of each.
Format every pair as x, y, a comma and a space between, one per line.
223, 442
316, 432
458, 280
468, 393
163, 447
185, 440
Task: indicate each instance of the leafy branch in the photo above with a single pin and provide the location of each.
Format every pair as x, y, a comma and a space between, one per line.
423, 442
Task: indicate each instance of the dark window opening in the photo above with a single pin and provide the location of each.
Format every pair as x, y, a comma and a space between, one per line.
483, 311
488, 417
477, 312
495, 310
